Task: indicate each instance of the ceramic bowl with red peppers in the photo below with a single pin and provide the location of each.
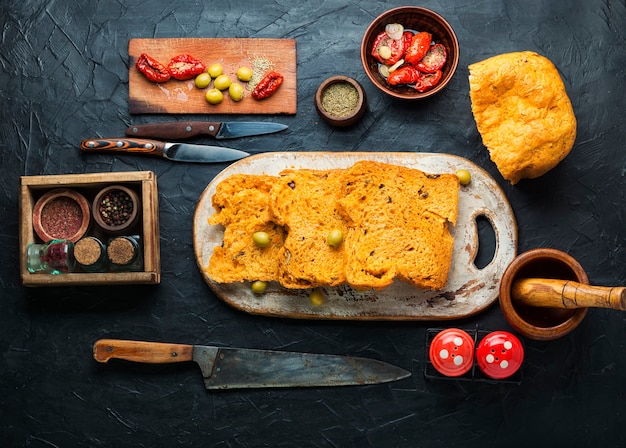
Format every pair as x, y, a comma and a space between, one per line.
410, 52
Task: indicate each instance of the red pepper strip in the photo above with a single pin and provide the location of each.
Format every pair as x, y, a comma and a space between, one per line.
407, 74
152, 69
185, 66
267, 86
434, 59
418, 48
428, 81
397, 46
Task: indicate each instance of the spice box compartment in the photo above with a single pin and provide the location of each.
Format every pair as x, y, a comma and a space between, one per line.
142, 182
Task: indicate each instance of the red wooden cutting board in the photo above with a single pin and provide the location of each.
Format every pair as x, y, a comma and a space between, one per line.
182, 97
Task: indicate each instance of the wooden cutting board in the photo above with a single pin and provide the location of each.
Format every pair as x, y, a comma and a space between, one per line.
183, 97
469, 289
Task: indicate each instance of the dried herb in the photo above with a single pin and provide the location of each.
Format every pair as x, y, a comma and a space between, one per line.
340, 99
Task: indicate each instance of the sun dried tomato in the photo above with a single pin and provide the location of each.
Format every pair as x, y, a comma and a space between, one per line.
428, 80
407, 74
152, 69
185, 66
420, 43
267, 86
396, 46
434, 59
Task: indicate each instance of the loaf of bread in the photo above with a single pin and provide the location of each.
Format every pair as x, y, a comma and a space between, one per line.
304, 202
242, 205
522, 113
397, 219
394, 221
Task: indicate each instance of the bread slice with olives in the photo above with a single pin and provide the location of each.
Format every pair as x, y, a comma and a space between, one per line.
241, 202
304, 202
397, 219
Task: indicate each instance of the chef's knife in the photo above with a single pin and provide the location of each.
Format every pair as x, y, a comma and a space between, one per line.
239, 368
180, 152
176, 130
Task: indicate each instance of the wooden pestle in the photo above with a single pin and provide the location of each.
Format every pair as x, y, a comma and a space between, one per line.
551, 293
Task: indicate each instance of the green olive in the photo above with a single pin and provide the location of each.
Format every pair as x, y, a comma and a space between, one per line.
316, 297
258, 287
215, 70
244, 73
261, 239
203, 80
214, 96
235, 91
335, 238
464, 176
222, 82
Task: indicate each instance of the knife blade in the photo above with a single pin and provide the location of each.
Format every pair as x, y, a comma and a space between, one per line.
175, 130
240, 368
180, 152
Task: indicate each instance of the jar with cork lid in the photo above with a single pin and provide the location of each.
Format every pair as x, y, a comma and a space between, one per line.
124, 253
90, 254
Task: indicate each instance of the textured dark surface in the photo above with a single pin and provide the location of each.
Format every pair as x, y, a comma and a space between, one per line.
64, 78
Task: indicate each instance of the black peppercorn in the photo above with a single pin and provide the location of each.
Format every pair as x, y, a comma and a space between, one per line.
115, 208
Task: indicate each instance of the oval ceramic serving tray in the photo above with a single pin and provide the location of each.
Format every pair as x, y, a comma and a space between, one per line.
469, 290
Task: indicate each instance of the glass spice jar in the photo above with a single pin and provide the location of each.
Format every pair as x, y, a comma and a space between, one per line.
53, 257
90, 254
124, 253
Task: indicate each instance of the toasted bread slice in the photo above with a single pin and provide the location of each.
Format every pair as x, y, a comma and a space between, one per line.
304, 202
398, 221
242, 204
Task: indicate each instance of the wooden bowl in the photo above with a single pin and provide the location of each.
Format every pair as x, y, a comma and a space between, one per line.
61, 214
125, 224
541, 323
418, 19
355, 113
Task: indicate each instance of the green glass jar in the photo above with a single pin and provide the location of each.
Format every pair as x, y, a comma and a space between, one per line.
53, 257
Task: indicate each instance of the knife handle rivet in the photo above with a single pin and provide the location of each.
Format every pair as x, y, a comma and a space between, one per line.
135, 130
211, 128
174, 354
148, 145
188, 128
119, 144
91, 144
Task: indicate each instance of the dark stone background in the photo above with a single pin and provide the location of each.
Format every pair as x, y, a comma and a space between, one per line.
64, 78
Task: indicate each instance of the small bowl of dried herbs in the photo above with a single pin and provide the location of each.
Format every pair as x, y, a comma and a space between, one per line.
340, 101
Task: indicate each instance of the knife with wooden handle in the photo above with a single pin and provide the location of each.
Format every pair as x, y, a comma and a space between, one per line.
180, 152
240, 368
176, 130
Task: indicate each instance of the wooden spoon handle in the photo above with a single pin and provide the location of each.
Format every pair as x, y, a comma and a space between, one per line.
567, 294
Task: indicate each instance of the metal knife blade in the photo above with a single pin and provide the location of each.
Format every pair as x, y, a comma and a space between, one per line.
175, 130
239, 368
180, 152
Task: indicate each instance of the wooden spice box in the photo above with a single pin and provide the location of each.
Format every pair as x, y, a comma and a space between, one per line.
143, 182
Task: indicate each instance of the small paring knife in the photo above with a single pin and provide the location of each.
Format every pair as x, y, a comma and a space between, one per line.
240, 368
179, 152
176, 130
